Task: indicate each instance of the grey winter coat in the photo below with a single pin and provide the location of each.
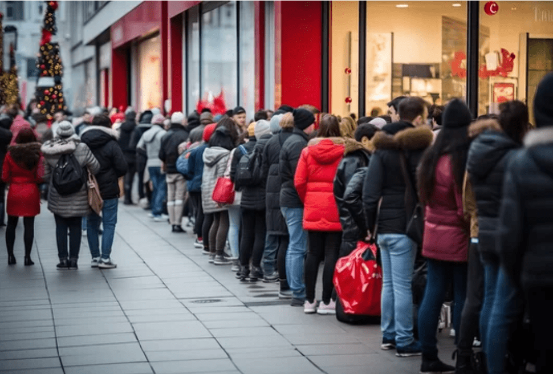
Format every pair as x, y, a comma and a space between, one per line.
215, 163
74, 205
151, 142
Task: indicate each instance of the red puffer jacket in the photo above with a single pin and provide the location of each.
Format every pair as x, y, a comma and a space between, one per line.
446, 229
314, 181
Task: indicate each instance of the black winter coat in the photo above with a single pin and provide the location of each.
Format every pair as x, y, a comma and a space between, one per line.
249, 146
253, 197
353, 200
525, 240
5, 139
487, 158
276, 225
384, 178
169, 150
102, 141
128, 139
289, 158
356, 157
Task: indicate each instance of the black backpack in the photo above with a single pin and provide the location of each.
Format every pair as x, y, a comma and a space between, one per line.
248, 169
68, 176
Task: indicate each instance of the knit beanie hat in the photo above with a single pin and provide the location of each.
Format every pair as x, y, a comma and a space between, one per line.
65, 129
543, 102
251, 129
206, 118
262, 127
177, 117
208, 131
275, 123
303, 118
378, 122
158, 119
456, 115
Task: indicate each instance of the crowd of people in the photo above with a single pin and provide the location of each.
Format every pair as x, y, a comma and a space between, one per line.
470, 198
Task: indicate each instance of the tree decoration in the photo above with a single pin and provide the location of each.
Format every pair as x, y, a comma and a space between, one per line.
348, 71
348, 100
49, 87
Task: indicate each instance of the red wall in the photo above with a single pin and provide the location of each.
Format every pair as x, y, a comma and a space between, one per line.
298, 33
259, 19
140, 21
177, 7
176, 71
119, 77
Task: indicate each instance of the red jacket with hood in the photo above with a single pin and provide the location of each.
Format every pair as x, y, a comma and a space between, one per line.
314, 181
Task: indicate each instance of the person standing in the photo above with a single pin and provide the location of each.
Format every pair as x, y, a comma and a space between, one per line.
102, 141
69, 209
314, 182
291, 205
22, 171
176, 184
384, 197
128, 138
144, 124
5, 140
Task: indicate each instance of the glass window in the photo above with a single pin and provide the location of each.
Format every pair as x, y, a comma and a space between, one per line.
415, 48
32, 71
516, 53
14, 10
193, 58
149, 66
247, 58
269, 55
219, 55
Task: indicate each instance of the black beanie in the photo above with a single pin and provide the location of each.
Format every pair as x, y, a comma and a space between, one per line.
456, 115
303, 118
543, 102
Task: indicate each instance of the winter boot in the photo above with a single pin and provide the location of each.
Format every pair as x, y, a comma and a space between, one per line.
2, 215
463, 365
435, 366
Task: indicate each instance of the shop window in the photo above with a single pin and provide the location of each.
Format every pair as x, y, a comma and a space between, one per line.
14, 10
149, 73
517, 54
247, 58
415, 48
193, 59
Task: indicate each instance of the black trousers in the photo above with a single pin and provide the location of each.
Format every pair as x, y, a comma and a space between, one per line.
321, 244
252, 242
206, 226
2, 202
281, 261
540, 308
73, 224
218, 233
196, 200
470, 316
128, 181
28, 236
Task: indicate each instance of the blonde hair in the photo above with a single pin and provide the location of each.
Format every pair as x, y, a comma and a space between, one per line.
287, 121
347, 127
310, 108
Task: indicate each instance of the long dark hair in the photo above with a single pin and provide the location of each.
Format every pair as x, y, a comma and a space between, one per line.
25, 135
221, 138
452, 141
231, 126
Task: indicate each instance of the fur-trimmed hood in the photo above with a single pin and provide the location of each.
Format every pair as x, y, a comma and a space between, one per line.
98, 136
113, 133
483, 125
25, 155
326, 150
539, 145
60, 146
541, 136
410, 139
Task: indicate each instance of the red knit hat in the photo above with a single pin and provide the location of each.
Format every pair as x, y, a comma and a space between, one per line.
208, 131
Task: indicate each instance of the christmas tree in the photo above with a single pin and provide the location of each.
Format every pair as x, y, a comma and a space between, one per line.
49, 92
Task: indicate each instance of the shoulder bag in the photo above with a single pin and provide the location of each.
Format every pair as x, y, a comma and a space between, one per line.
94, 198
224, 193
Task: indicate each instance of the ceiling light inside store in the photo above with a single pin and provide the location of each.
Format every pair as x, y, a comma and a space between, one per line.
402, 6
456, 5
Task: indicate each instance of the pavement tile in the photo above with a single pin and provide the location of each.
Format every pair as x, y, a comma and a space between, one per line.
28, 353
88, 329
253, 341
230, 332
193, 366
74, 341
276, 365
31, 363
102, 354
58, 370
334, 349
179, 345
127, 368
27, 344
181, 355
171, 330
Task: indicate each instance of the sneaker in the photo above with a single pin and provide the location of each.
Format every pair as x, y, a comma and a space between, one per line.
452, 333
329, 308
84, 233
476, 343
255, 274
388, 344
73, 264
165, 216
244, 273
221, 260
151, 215
310, 308
413, 349
63, 265
285, 294
158, 219
198, 243
178, 228
211, 258
206, 251
235, 266
270, 278
436, 366
95, 261
106, 264
297, 302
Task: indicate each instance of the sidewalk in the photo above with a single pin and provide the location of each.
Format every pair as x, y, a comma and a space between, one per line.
165, 309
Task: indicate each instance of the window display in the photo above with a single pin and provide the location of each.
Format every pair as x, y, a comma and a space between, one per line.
149, 66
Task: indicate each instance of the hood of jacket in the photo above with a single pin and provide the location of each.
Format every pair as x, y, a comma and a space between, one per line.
408, 139
480, 126
326, 150
150, 135
25, 155
487, 150
60, 146
352, 145
127, 126
540, 147
212, 155
98, 136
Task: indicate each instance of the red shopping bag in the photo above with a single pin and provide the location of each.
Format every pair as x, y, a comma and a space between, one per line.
358, 281
223, 193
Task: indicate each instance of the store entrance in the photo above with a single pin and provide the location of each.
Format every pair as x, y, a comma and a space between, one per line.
540, 62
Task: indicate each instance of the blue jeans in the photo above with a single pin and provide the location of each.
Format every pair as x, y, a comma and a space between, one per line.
297, 248
440, 275
270, 253
490, 284
398, 260
235, 218
160, 189
108, 219
507, 310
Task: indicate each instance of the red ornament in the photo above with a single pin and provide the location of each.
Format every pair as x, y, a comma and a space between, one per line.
491, 8
43, 66
46, 92
348, 71
53, 4
54, 96
42, 103
348, 100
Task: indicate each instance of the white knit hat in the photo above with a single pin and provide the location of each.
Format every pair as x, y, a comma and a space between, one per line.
65, 129
177, 117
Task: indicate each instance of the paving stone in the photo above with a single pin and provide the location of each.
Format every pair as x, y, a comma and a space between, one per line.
102, 354
106, 338
28, 353
27, 344
179, 345
193, 366
31, 363
128, 368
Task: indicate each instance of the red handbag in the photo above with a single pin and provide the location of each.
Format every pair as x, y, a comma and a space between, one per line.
223, 193
358, 281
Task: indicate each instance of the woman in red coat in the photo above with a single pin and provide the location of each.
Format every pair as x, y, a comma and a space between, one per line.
23, 170
314, 181
446, 229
